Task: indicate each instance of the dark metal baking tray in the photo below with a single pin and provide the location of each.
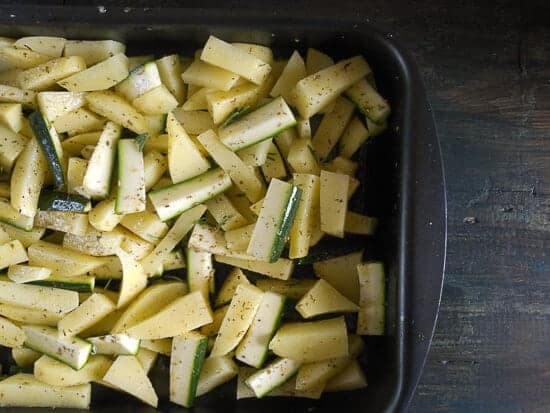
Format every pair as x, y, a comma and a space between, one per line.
404, 175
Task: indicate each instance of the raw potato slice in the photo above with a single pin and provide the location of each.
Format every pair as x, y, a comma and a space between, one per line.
149, 302
239, 238
155, 165
300, 234
141, 79
12, 253
183, 314
353, 137
160, 345
147, 358
103, 217
61, 261
114, 344
134, 279
56, 104
311, 341
93, 51
324, 299
94, 242
294, 71
222, 104
294, 289
10, 334
116, 109
24, 390
351, 378
156, 101
281, 269
302, 158
225, 214
215, 372
127, 374
265, 380
331, 128
56, 373
14, 219
341, 273
11, 115
194, 122
316, 61
26, 315
24, 357
51, 46
22, 58
85, 315
212, 329
235, 278
146, 225
360, 224
47, 74
131, 178
238, 318
334, 202
73, 146
205, 75
169, 68
224, 55
101, 76
198, 100
25, 273
64, 221
11, 146
341, 165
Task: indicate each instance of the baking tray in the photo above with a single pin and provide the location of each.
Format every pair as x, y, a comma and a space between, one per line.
403, 172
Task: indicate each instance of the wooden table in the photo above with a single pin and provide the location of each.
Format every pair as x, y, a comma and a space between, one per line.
487, 70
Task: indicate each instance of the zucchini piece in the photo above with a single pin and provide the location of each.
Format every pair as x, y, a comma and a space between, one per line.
294, 289
103, 216
161, 345
181, 227
232, 58
287, 389
72, 222
334, 202
47, 45
114, 344
169, 68
28, 315
200, 271
149, 302
351, 378
24, 273
202, 74
56, 373
93, 309
255, 155
100, 76
156, 101
372, 287
9, 215
140, 60
264, 381
341, 273
174, 261
12, 335
360, 224
11, 146
50, 144
280, 269
275, 221
331, 127
215, 372
368, 101
61, 201
188, 351
314, 92
239, 238
72, 351
79, 283
324, 299
24, 390
261, 124
252, 350
371, 320
311, 341
22, 58
294, 71
75, 144
225, 214
316, 61
238, 318
184, 159
302, 158
274, 165
93, 51
353, 138
12, 253
156, 123
235, 278
183, 314
117, 110
38, 298
211, 330
157, 143
97, 179
194, 122
222, 104
140, 80
241, 174
134, 279
62, 261
146, 225
284, 139
47, 74
131, 178
11, 115
24, 357
78, 121
176, 199
341, 165
94, 242
56, 104
300, 234
127, 374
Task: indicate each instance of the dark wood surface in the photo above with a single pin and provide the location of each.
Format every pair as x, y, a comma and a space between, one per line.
487, 69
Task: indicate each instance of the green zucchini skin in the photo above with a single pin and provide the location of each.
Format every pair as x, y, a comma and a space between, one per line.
332, 248
61, 201
77, 283
286, 223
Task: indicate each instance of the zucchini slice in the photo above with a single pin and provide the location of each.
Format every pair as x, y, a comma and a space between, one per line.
252, 350
222, 104
200, 271
61, 201
264, 381
131, 178
175, 199
300, 233
188, 351
368, 101
50, 144
24, 273
114, 344
275, 221
24, 390
140, 80
79, 283
261, 124
72, 351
